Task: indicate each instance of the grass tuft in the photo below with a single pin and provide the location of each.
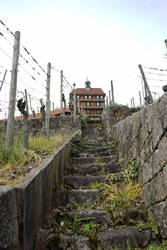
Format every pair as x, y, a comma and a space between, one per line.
16, 162
43, 143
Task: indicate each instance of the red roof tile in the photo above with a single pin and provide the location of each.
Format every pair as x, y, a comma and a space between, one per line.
38, 115
92, 91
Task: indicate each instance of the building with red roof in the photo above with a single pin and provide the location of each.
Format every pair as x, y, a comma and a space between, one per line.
89, 101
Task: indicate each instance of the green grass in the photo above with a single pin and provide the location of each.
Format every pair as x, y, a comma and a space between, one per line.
15, 155
15, 161
43, 143
162, 246
148, 225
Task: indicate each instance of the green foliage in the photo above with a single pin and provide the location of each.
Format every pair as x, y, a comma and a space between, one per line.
117, 106
99, 162
99, 128
80, 206
63, 226
154, 246
15, 161
78, 144
131, 171
91, 229
114, 178
81, 226
110, 144
84, 124
17, 154
148, 225
93, 185
45, 144
86, 226
83, 206
120, 196
117, 196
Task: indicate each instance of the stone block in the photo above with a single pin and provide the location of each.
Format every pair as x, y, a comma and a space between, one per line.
8, 219
160, 212
156, 190
29, 200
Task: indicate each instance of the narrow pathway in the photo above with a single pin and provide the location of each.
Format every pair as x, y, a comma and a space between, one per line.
81, 222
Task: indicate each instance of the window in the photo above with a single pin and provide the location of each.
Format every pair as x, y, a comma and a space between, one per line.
97, 96
87, 103
78, 96
90, 96
88, 112
101, 96
97, 103
86, 97
98, 111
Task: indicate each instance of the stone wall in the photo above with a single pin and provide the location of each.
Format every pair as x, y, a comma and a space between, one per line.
143, 136
116, 113
64, 124
23, 208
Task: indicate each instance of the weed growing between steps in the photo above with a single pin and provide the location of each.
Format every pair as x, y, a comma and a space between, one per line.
109, 143
99, 129
117, 209
121, 196
84, 124
156, 246
84, 206
86, 226
142, 225
99, 162
78, 143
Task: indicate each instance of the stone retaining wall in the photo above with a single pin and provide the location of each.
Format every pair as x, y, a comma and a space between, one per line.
64, 124
23, 208
143, 136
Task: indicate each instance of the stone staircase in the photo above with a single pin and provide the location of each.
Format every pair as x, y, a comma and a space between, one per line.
79, 222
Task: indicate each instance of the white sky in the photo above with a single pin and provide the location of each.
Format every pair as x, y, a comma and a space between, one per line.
103, 40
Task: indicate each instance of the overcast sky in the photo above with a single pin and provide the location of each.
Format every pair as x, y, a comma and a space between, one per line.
103, 40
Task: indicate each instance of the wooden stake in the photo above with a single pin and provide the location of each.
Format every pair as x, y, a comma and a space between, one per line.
140, 99
13, 89
112, 92
74, 102
47, 119
110, 98
61, 92
148, 95
26, 122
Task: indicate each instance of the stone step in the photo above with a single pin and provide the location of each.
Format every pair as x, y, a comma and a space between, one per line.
105, 159
96, 170
82, 182
121, 239
94, 139
82, 155
97, 149
87, 196
97, 215
77, 242
92, 152
124, 238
